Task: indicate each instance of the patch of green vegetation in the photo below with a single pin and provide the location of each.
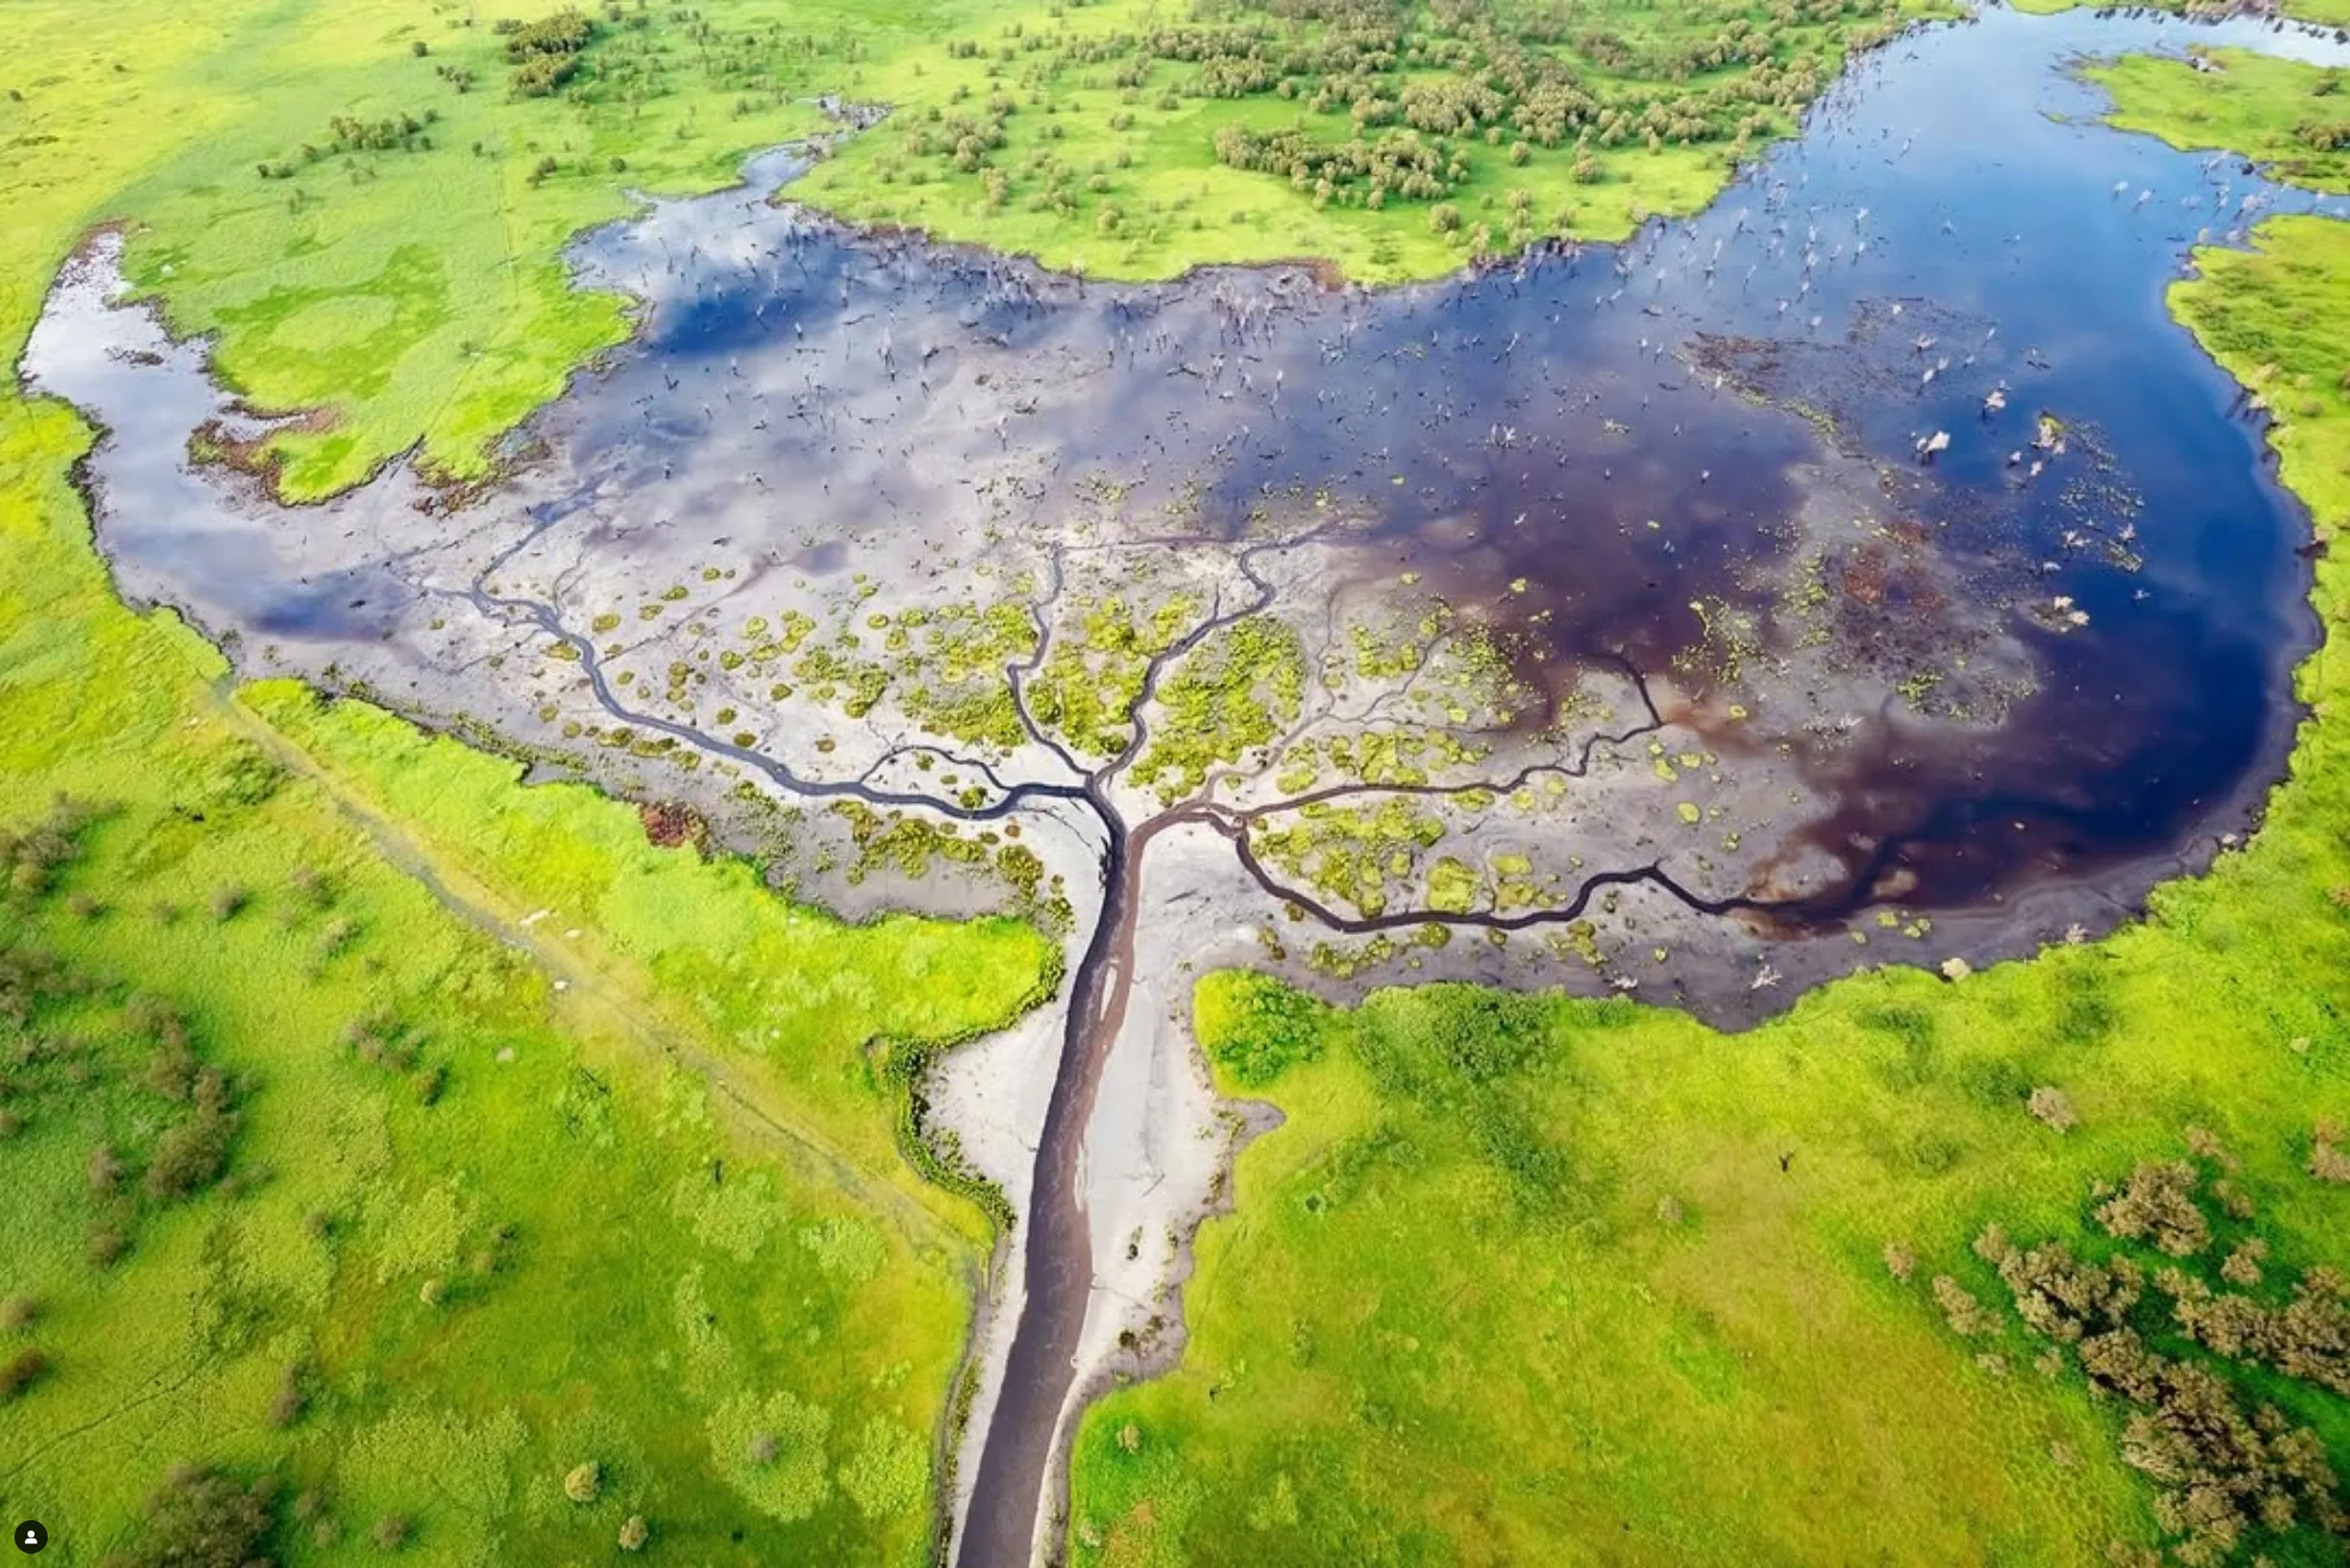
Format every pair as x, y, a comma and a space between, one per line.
2290, 117
1357, 855
964, 692
1089, 683
1231, 695
1391, 140
314, 1142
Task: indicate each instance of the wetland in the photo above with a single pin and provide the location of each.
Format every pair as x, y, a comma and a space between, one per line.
1865, 570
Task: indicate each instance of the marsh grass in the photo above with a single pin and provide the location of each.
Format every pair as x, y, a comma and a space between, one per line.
2293, 118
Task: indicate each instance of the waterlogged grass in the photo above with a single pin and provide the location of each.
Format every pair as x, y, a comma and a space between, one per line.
1551, 1280
2318, 12
2291, 117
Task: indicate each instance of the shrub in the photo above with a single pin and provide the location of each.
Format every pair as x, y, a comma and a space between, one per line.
287, 1404
635, 1534
104, 1168
19, 1373
199, 1518
2053, 1107
18, 1313
585, 1482
106, 1245
193, 1151
392, 1531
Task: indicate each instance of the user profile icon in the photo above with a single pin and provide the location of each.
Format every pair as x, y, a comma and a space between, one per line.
30, 1536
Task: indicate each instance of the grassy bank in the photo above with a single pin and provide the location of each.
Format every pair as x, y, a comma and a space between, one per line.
325, 1161
2289, 118
2315, 12
1390, 142
1543, 1279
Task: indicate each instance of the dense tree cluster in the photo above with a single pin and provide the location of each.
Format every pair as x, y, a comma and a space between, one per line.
200, 1518
1398, 164
545, 54
348, 135
392, 132
2229, 1467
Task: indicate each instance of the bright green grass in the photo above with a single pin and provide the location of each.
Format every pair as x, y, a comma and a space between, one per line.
640, 1297
1179, 208
697, 1019
418, 294
787, 988
1397, 1356
2254, 105
2320, 13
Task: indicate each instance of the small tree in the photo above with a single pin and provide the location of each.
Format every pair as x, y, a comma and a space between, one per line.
19, 1373
199, 1518
2053, 1107
585, 1482
635, 1534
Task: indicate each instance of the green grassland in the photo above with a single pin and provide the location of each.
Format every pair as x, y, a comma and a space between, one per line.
2285, 116
1562, 1281
406, 1201
1096, 136
500, 1196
